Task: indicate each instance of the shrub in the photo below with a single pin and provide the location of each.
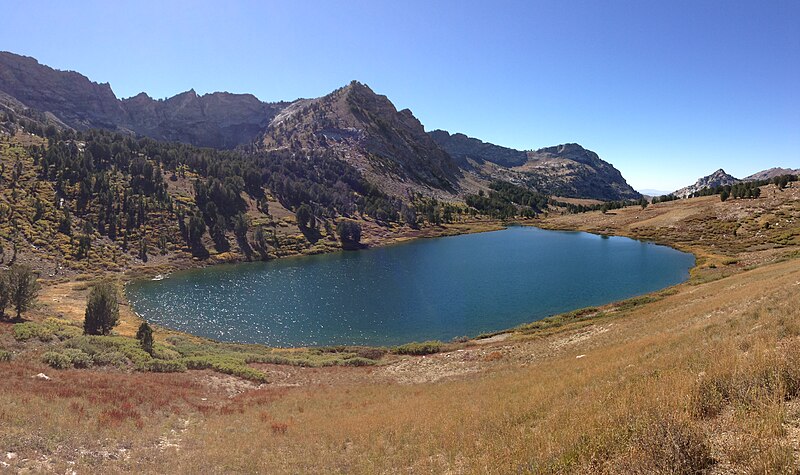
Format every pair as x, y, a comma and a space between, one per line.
164, 366
358, 361
227, 365
111, 358
371, 353
67, 358
57, 360
78, 358
5, 356
26, 331
163, 353
93, 345
424, 348
671, 446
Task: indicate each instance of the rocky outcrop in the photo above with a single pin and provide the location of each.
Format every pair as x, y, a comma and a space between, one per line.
718, 178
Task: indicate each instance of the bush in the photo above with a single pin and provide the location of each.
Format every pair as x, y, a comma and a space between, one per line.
227, 365
5, 356
57, 360
67, 358
163, 353
94, 345
358, 361
164, 366
416, 349
111, 358
26, 331
78, 358
371, 353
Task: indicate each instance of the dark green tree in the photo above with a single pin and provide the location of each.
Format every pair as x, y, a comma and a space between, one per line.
349, 232
305, 218
102, 309
145, 337
5, 294
23, 287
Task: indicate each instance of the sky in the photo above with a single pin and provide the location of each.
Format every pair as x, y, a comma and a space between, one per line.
667, 91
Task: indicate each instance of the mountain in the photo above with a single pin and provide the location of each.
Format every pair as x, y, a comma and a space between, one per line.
718, 178
390, 148
464, 148
219, 120
567, 170
772, 173
366, 130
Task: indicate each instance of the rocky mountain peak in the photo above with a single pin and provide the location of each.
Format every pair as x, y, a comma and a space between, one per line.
718, 178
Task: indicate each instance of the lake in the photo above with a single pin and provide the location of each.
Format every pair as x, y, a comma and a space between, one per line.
421, 290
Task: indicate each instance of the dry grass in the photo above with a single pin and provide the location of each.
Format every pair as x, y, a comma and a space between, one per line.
701, 379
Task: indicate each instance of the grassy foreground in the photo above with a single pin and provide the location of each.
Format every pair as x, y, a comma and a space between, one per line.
701, 378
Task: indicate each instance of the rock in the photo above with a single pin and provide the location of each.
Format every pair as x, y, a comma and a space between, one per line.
42, 376
718, 178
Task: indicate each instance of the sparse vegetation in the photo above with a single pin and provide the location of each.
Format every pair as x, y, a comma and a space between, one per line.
424, 348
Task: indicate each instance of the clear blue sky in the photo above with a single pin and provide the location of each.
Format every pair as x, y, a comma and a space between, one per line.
665, 90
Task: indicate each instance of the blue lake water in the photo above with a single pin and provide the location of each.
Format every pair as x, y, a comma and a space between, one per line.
425, 289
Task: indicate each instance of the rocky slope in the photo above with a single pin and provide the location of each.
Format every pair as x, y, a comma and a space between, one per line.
220, 120
365, 129
567, 170
464, 149
718, 178
772, 173
390, 147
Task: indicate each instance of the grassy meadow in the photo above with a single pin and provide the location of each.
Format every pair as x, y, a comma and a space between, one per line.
703, 377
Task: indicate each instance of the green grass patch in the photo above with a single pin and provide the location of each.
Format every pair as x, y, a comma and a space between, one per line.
49, 330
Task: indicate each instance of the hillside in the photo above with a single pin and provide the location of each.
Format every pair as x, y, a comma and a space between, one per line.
365, 130
567, 170
699, 378
390, 148
771, 173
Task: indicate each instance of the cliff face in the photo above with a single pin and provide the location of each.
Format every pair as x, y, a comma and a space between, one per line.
220, 120
464, 148
70, 96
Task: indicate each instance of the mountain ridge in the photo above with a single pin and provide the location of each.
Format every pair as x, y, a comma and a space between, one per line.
353, 123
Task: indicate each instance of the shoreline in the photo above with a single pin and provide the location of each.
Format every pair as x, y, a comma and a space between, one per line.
533, 223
